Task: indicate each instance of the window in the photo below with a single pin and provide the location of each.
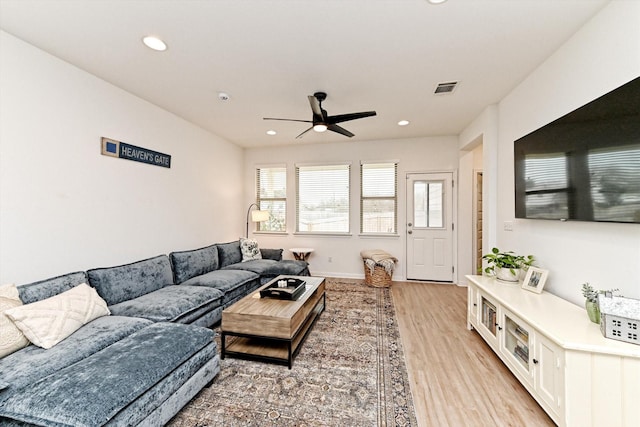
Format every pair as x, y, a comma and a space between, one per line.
427, 204
378, 197
322, 198
271, 196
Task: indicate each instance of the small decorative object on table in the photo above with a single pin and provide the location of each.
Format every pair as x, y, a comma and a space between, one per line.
288, 288
591, 301
620, 317
535, 279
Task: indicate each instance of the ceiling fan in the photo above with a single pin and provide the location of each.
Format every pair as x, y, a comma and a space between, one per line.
322, 122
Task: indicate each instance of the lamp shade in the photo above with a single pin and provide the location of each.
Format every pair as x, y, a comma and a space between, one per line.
259, 216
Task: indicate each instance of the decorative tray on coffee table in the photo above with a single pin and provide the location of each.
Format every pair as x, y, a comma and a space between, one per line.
293, 289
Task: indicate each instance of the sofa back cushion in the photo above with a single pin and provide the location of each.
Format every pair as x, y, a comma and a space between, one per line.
229, 253
129, 281
188, 264
43, 289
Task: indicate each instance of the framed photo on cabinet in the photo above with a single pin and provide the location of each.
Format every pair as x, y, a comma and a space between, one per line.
535, 279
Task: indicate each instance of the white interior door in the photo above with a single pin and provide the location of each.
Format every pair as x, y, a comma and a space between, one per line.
430, 226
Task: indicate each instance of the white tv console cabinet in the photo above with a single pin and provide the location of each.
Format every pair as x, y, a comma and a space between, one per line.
577, 376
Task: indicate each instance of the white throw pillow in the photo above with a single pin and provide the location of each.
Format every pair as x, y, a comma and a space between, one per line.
249, 249
11, 338
47, 322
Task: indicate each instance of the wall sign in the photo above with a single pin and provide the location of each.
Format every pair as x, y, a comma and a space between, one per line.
123, 150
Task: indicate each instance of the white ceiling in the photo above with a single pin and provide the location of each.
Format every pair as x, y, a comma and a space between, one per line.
269, 55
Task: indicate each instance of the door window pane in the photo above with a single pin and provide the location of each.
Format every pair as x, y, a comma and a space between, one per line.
427, 204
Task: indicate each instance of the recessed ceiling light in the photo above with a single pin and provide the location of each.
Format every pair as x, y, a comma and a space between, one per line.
154, 43
223, 96
271, 132
403, 122
436, 1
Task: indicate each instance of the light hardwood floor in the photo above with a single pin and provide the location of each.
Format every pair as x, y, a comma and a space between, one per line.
456, 379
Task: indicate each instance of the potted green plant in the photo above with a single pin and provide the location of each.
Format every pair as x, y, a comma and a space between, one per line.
506, 266
591, 301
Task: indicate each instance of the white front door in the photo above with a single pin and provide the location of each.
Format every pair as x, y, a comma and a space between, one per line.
430, 226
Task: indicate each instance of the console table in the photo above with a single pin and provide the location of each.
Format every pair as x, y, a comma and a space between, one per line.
577, 376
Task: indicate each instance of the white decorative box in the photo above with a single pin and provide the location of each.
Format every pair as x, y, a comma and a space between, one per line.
619, 318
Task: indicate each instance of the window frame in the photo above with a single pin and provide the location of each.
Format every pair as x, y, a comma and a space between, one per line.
298, 168
259, 199
393, 198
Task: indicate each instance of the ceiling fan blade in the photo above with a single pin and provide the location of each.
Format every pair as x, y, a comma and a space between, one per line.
300, 136
288, 120
341, 130
351, 116
315, 107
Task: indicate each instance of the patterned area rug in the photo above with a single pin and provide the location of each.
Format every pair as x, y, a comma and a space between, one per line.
349, 372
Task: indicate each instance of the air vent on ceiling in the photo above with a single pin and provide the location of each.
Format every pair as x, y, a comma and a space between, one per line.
447, 87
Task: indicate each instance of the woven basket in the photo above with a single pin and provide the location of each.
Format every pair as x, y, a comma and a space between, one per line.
379, 279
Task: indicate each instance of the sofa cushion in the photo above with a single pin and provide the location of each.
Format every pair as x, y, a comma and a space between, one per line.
11, 337
33, 363
188, 264
47, 288
129, 281
171, 303
249, 249
97, 388
158, 404
231, 283
47, 322
229, 253
274, 254
271, 268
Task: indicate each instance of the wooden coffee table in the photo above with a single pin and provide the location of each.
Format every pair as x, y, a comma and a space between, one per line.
271, 329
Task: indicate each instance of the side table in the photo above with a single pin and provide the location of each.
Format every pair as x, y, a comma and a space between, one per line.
301, 254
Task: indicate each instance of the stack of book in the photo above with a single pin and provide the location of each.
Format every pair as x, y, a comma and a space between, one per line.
521, 352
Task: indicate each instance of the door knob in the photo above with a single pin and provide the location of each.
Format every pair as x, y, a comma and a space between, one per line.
409, 232
410, 224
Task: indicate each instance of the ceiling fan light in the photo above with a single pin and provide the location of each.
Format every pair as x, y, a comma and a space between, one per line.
154, 43
320, 127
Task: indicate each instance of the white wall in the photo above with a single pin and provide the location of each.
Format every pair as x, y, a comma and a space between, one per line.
413, 155
65, 207
603, 55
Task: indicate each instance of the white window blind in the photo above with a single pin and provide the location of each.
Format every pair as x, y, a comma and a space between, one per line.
271, 196
378, 197
322, 198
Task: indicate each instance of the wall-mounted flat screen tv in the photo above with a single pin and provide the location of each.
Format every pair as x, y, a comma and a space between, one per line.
584, 166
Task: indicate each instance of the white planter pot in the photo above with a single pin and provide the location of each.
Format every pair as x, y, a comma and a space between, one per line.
505, 275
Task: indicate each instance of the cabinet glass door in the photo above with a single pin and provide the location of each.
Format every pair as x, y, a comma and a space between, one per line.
516, 341
489, 315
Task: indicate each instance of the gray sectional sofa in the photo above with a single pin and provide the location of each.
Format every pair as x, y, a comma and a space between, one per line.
144, 362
